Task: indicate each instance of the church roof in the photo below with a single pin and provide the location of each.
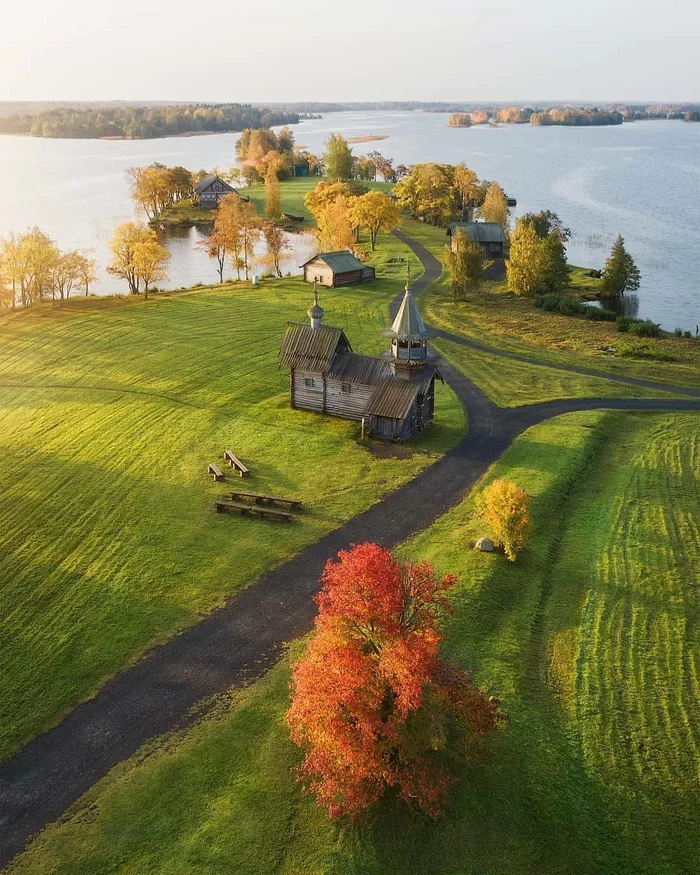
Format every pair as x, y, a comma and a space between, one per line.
355, 368
310, 348
408, 324
394, 396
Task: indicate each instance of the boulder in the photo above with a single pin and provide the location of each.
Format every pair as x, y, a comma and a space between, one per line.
485, 545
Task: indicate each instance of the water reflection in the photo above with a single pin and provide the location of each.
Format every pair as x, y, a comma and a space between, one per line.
189, 264
623, 305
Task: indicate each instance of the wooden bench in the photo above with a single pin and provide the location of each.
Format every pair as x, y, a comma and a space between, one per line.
256, 498
244, 509
236, 463
215, 471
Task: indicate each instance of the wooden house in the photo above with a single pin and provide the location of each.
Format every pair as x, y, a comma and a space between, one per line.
335, 269
210, 190
393, 394
489, 235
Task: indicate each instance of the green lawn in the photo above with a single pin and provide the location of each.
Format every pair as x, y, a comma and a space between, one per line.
510, 383
110, 411
589, 640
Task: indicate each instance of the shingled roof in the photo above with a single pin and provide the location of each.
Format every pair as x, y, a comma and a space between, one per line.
355, 368
408, 324
480, 232
312, 348
394, 396
207, 181
339, 262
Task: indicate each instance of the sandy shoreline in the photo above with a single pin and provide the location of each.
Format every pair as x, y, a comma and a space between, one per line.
368, 139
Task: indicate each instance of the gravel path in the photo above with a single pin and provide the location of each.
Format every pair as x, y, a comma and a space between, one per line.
241, 640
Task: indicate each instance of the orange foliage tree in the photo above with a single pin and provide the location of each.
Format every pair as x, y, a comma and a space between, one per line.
505, 508
373, 704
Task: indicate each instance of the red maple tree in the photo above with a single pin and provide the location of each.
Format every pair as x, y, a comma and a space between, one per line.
372, 701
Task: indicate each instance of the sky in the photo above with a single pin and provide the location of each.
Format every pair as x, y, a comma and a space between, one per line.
320, 50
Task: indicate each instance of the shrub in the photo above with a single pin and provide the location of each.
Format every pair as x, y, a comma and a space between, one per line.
623, 323
644, 351
505, 508
678, 332
688, 334
645, 328
600, 314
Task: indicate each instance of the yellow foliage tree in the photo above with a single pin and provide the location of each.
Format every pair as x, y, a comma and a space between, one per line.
505, 509
335, 230
376, 212
137, 256
495, 206
523, 267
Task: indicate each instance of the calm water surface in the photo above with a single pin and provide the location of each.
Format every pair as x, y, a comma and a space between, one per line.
640, 179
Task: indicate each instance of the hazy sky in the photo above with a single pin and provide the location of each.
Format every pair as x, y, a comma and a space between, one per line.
260, 50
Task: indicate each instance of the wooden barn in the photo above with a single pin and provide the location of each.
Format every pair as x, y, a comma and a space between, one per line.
210, 190
394, 394
335, 269
489, 235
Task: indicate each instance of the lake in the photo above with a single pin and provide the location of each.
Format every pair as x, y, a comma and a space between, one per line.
640, 179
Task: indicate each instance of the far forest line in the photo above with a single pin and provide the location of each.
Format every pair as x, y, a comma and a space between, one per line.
143, 122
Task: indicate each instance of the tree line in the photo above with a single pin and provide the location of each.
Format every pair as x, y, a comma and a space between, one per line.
138, 122
34, 269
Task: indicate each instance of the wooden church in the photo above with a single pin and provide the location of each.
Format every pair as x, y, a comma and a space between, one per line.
393, 393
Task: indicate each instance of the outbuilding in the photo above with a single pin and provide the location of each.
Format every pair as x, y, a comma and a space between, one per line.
335, 269
489, 235
210, 190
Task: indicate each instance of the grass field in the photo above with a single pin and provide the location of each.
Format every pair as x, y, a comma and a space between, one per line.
510, 383
590, 641
110, 411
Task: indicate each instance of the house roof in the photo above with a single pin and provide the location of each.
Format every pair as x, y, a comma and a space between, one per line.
339, 262
408, 324
480, 232
312, 348
207, 181
394, 396
356, 368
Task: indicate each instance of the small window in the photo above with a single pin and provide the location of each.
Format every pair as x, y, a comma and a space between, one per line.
309, 382
346, 388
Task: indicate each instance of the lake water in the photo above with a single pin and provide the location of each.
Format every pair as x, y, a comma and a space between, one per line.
640, 179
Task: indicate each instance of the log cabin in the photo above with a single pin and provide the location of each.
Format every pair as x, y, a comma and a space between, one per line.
335, 269
393, 394
210, 190
489, 235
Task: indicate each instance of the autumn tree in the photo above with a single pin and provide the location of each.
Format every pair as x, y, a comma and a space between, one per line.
338, 158
523, 267
373, 703
480, 117
276, 243
376, 212
553, 267
215, 247
238, 225
273, 197
546, 222
67, 273
29, 261
137, 256
465, 259
495, 206
335, 229
88, 272
620, 273
428, 193
505, 509
150, 262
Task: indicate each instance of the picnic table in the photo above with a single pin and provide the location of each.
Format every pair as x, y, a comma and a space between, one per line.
257, 498
244, 509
